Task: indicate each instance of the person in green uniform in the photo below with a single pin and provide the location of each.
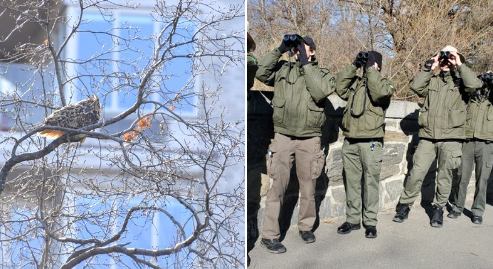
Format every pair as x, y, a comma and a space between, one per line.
477, 151
260, 131
300, 92
368, 98
442, 121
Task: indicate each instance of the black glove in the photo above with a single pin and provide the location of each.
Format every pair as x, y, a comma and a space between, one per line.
358, 62
302, 57
428, 64
283, 47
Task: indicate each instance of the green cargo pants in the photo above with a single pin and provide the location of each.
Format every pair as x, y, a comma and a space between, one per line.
478, 152
310, 159
448, 154
362, 160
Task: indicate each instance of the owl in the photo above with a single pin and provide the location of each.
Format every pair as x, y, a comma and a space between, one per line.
74, 116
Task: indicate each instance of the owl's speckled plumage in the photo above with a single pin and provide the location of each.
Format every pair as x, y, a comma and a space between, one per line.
74, 116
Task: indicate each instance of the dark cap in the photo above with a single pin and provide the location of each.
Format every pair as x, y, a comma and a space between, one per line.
309, 41
374, 57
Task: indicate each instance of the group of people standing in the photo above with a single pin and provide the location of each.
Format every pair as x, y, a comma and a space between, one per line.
456, 121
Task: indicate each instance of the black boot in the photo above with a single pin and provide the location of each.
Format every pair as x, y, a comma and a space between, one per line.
402, 212
437, 219
453, 215
477, 219
371, 231
347, 227
307, 236
273, 245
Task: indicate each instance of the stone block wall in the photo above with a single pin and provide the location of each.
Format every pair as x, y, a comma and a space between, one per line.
400, 141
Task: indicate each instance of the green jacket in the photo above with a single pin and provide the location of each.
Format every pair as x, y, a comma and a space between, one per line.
479, 119
258, 102
364, 114
252, 67
299, 94
443, 115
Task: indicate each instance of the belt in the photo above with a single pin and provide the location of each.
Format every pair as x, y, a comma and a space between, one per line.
292, 137
474, 139
442, 140
363, 140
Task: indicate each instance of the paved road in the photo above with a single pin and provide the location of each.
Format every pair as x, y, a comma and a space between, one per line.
412, 244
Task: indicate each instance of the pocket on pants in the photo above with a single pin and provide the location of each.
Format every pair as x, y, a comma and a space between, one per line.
317, 164
272, 166
489, 155
456, 159
378, 155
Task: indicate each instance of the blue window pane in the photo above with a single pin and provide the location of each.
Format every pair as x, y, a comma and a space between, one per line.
176, 73
135, 55
20, 249
169, 234
120, 49
90, 227
95, 47
157, 231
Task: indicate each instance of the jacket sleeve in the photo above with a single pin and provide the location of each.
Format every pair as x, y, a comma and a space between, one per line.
379, 88
267, 67
470, 80
420, 83
252, 66
344, 79
320, 83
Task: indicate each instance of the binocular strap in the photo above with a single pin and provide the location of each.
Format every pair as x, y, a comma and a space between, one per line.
354, 114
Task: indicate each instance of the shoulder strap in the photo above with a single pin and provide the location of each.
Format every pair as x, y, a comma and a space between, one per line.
357, 98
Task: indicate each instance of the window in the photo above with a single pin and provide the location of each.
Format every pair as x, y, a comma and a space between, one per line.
17, 81
110, 52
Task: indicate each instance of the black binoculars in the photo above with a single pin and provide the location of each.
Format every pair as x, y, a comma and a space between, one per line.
363, 56
292, 40
444, 55
487, 79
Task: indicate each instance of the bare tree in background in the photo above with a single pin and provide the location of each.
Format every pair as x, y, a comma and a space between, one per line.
406, 32
66, 203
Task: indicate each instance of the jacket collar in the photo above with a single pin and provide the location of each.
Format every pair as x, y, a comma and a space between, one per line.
449, 76
446, 76
310, 63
